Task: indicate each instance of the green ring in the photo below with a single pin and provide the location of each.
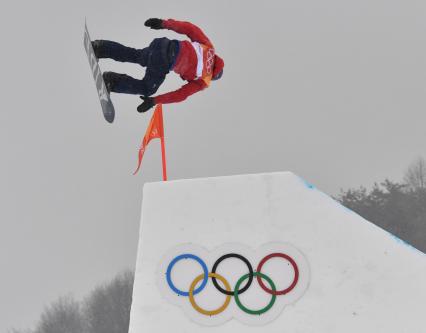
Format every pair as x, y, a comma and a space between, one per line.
247, 310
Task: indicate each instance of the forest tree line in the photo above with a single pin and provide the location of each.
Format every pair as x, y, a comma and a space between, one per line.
398, 207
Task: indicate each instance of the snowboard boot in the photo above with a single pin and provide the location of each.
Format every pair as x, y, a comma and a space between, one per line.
97, 48
110, 79
116, 82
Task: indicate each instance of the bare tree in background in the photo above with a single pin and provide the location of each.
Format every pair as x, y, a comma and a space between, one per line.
107, 309
415, 176
62, 316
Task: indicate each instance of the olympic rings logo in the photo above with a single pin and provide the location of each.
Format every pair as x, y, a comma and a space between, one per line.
295, 283
210, 60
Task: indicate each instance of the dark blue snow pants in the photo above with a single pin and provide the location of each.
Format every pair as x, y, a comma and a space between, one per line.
158, 58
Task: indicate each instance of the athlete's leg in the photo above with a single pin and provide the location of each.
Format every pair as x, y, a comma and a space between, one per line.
119, 52
155, 58
125, 84
153, 79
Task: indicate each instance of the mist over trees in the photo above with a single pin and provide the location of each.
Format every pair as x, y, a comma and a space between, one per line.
415, 176
106, 309
399, 208
62, 315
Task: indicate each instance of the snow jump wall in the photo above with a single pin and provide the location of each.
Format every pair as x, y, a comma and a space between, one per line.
269, 253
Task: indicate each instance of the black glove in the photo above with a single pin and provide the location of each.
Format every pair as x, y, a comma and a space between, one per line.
154, 23
148, 102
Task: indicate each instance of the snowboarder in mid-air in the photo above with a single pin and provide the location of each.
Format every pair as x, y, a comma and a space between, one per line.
195, 62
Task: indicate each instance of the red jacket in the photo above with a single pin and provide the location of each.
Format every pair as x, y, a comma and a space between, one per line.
196, 62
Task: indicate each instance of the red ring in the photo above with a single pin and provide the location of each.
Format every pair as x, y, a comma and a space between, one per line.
296, 274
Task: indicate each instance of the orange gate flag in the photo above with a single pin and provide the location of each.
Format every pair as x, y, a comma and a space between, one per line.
155, 130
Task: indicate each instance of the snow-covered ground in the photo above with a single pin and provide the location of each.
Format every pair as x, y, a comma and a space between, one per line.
360, 277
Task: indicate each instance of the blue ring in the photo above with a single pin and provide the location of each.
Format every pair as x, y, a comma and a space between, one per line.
187, 256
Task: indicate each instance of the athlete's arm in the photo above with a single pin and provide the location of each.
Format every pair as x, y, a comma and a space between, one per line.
189, 29
182, 93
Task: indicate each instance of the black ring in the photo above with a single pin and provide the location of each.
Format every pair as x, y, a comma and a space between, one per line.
249, 281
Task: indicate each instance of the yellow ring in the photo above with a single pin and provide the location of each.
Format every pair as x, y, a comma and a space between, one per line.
198, 308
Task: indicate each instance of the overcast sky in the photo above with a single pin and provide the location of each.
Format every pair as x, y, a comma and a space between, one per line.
331, 90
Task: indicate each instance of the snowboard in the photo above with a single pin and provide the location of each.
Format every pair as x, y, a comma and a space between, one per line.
107, 106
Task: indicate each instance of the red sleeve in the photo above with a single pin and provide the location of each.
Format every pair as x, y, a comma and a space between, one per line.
189, 29
182, 93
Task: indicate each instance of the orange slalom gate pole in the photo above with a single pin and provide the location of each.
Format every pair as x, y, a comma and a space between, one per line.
163, 158
163, 145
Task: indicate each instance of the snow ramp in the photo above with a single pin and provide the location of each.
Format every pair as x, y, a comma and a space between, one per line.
269, 253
